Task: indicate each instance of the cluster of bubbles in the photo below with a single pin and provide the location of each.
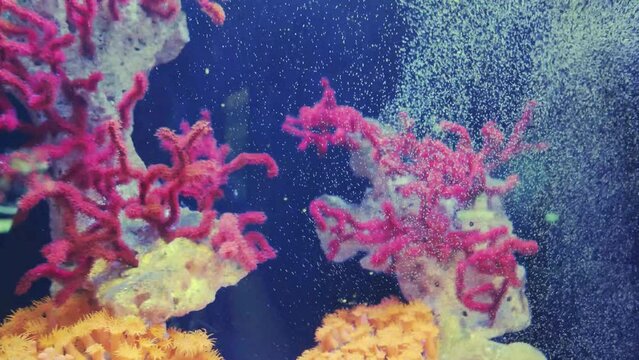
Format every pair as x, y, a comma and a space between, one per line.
471, 61
465, 60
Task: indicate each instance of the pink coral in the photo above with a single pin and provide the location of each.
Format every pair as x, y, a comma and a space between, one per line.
164, 9
92, 161
81, 15
436, 172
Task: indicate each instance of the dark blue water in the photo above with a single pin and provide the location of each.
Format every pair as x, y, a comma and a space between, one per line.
276, 52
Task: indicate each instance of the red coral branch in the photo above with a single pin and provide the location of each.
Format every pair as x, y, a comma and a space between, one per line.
248, 249
496, 260
165, 9
327, 123
114, 8
81, 16
130, 98
214, 10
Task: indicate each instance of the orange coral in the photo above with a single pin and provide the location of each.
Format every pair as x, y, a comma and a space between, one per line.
77, 330
391, 330
43, 316
214, 10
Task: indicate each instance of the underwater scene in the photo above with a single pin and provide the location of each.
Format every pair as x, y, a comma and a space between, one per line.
306, 179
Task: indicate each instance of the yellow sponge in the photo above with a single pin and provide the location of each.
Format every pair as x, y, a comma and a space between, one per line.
171, 279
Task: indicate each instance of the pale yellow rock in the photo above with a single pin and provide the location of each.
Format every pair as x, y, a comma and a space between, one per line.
481, 349
459, 344
171, 280
519, 351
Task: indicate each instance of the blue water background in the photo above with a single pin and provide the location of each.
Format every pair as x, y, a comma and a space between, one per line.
277, 51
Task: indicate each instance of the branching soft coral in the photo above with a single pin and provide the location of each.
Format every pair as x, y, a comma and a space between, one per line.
91, 182
408, 218
198, 171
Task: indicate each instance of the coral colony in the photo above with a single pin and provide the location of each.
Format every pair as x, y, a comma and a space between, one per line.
108, 210
125, 256
433, 215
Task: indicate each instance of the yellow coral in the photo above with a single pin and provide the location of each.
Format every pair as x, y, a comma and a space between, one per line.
17, 347
190, 343
76, 330
391, 330
128, 351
